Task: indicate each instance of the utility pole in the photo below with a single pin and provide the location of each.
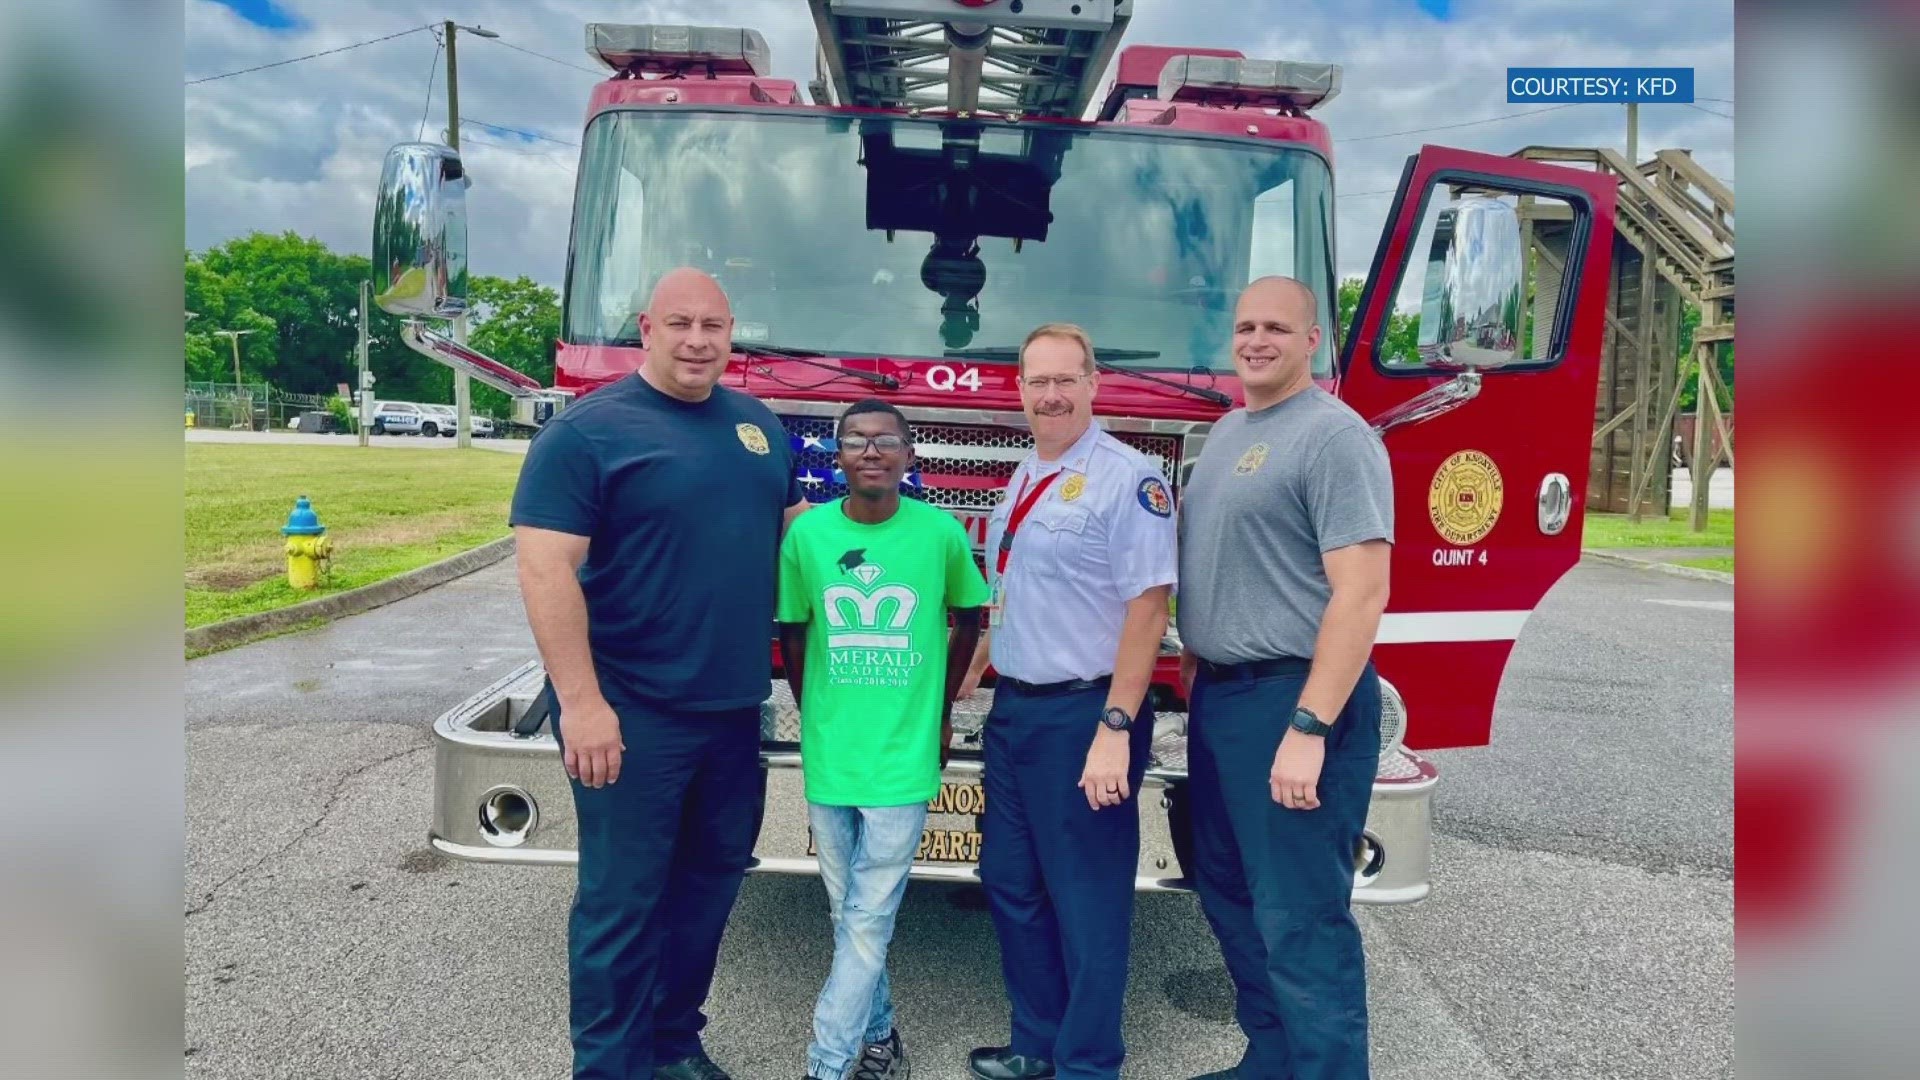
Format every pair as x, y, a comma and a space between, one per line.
462, 384
234, 337
365, 384
1633, 125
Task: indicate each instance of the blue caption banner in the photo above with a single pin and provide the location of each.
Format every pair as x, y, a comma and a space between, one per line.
1562, 86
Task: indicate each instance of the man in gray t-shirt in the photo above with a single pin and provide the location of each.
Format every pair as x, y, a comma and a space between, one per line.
1274, 491
1285, 534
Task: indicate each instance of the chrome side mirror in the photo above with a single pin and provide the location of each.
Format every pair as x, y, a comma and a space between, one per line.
420, 233
1471, 306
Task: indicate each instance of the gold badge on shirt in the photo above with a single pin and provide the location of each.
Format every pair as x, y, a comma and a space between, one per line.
1251, 461
751, 437
1071, 490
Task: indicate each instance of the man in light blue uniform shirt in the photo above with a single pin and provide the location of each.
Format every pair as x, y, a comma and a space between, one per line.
1081, 559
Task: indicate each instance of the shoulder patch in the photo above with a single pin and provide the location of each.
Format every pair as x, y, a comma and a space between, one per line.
1153, 495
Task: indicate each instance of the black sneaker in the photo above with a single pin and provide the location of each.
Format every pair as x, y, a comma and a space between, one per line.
886, 1060
697, 1067
1001, 1063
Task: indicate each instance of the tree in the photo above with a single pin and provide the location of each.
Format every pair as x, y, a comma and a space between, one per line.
1348, 303
301, 301
516, 323
307, 291
1690, 394
217, 305
1402, 341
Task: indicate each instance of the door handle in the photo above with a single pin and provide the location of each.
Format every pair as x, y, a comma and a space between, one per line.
1556, 503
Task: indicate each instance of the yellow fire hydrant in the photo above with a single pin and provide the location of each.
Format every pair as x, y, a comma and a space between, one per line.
307, 545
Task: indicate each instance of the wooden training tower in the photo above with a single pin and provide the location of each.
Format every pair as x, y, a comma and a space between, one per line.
1672, 246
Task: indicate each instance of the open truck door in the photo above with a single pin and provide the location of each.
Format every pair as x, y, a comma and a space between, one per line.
1475, 353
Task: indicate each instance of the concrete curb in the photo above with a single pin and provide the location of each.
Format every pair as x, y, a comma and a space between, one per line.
1697, 573
225, 635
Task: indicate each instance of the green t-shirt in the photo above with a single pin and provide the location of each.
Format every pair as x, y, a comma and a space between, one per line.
875, 598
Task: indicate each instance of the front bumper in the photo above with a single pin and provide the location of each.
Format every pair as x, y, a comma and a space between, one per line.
499, 797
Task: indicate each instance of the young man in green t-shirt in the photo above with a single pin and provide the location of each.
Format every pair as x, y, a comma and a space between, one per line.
866, 583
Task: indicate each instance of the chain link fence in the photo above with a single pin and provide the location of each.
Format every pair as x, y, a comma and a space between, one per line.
248, 406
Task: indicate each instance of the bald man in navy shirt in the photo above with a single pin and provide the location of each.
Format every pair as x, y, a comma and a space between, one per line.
648, 520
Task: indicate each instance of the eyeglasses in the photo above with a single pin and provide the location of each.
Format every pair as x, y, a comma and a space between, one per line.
1039, 383
858, 444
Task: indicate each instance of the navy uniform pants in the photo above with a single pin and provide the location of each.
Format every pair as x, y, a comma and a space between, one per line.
1059, 876
662, 854
1277, 884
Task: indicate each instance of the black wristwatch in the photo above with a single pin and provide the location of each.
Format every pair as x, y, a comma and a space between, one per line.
1116, 718
1304, 721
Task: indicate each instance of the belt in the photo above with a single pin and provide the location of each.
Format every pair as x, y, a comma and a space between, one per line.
1256, 669
1043, 689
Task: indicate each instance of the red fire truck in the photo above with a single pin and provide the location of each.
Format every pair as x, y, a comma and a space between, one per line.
959, 177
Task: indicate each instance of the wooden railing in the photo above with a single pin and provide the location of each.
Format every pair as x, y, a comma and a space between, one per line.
1676, 212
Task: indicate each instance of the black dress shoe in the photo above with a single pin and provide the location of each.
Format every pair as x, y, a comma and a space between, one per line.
697, 1067
1001, 1063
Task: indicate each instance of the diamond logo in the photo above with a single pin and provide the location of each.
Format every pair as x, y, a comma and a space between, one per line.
868, 573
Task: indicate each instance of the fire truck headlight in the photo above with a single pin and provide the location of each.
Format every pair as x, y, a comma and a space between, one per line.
1393, 720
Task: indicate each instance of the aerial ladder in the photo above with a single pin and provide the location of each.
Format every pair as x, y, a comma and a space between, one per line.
1035, 58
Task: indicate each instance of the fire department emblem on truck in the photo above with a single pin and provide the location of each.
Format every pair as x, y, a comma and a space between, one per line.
751, 437
1465, 498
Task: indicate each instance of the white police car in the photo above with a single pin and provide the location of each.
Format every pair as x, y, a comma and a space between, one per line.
398, 418
444, 420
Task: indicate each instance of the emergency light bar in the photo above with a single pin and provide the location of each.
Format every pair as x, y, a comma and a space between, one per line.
1024, 14
1274, 84
675, 50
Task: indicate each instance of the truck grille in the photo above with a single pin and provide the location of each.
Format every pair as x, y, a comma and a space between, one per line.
959, 467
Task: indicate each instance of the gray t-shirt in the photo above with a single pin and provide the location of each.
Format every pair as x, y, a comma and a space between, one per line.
1271, 492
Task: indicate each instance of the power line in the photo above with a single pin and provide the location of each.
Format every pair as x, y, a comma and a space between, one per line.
309, 56
1721, 100
505, 149
518, 131
432, 70
1364, 194
1709, 112
549, 59
1448, 127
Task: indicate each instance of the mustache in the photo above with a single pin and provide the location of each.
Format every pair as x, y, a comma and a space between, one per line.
1065, 408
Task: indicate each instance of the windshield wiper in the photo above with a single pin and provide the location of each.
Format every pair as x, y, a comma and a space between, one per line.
1103, 360
815, 358
1012, 352
1206, 392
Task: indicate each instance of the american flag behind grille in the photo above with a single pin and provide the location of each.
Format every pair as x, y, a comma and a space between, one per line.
956, 466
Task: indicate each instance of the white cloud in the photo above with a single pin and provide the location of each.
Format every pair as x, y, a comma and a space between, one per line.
299, 147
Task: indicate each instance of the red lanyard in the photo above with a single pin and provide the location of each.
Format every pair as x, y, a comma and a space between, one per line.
1021, 508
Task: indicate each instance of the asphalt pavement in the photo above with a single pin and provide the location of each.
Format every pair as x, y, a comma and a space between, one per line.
1719, 489
1581, 923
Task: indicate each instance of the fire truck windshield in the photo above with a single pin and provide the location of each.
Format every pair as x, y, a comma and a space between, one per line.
885, 236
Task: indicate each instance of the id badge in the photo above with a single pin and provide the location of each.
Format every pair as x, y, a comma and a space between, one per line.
997, 603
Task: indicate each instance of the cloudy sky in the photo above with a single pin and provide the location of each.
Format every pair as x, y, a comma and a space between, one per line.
299, 146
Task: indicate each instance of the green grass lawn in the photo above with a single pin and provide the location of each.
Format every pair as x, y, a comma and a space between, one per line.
1722, 563
1614, 531
387, 511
